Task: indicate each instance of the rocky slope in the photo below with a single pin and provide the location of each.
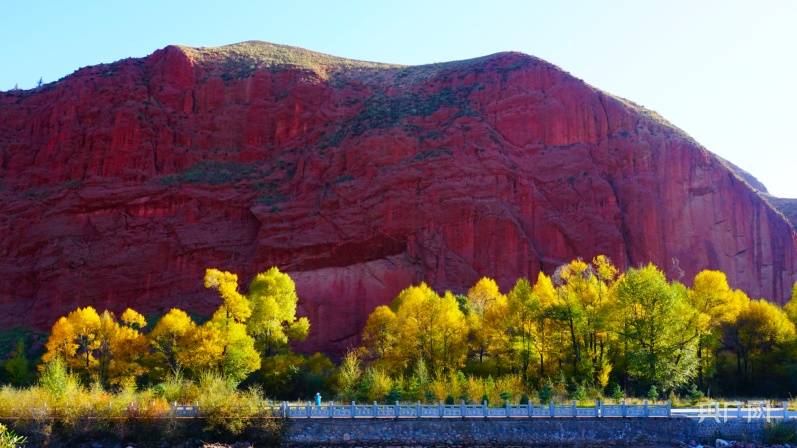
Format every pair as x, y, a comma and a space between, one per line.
122, 182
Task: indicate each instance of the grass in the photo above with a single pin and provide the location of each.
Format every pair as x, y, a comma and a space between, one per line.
212, 172
384, 111
780, 433
64, 410
269, 195
343, 178
242, 59
431, 154
43, 191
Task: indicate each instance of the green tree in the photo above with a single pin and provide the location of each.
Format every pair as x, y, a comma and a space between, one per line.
349, 375
658, 328
17, 367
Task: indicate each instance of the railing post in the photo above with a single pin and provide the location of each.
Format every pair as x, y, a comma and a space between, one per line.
669, 408
574, 410
353, 410
397, 408
484, 408
375, 410
551, 408
331, 409
645, 408
597, 408
308, 410
284, 407
462, 412
440, 409
739, 410
623, 408
530, 409
418, 409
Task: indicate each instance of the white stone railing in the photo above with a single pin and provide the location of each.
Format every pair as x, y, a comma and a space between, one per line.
418, 410
708, 411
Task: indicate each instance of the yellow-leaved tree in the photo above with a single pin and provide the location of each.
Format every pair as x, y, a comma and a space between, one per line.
760, 327
171, 341
547, 338
420, 326
128, 347
711, 295
238, 355
273, 323
379, 338
482, 298
523, 308
582, 314
98, 347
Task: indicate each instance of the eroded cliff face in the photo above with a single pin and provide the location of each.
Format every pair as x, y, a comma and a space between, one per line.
121, 183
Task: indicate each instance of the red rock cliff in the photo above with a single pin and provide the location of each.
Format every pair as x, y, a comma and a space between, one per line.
121, 183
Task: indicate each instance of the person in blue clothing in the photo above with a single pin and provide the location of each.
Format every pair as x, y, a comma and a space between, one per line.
318, 399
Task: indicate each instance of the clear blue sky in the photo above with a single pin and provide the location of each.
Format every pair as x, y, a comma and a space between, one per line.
724, 71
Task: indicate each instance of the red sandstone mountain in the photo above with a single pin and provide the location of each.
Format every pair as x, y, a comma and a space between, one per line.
122, 182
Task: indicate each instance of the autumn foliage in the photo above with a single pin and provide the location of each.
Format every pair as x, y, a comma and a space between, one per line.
587, 329
232, 343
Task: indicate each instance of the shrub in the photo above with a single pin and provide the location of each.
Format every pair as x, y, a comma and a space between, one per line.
395, 393
9, 439
349, 375
616, 392
653, 393
441, 388
485, 399
473, 390
56, 380
17, 368
780, 433
225, 409
175, 388
374, 385
449, 400
545, 394
510, 387
579, 393
211, 172
694, 394
524, 399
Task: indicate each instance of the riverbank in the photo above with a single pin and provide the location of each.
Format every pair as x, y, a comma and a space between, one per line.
381, 432
517, 432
